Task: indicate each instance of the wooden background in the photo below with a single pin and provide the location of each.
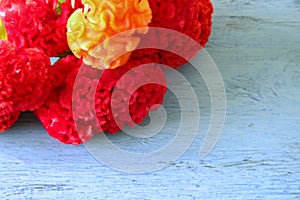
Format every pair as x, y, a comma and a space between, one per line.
256, 45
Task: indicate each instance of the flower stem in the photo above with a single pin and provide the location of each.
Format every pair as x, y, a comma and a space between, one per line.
66, 53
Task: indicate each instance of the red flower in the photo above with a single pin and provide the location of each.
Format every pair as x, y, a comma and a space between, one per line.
190, 17
24, 78
36, 23
57, 114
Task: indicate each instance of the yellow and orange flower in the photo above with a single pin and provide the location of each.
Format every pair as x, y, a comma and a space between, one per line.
99, 20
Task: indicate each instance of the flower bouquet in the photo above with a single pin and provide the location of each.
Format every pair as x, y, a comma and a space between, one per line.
45, 44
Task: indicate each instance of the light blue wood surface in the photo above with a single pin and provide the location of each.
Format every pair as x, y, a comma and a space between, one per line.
256, 45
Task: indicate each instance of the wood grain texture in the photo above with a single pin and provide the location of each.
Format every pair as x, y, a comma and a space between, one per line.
256, 45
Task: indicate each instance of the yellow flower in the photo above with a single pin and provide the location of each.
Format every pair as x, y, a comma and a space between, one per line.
3, 35
101, 19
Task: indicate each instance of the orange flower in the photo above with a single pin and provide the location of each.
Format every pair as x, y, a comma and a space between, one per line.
99, 20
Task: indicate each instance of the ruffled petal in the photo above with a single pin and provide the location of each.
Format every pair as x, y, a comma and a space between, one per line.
99, 20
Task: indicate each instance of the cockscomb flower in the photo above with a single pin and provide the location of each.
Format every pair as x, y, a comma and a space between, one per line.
24, 77
99, 20
57, 114
37, 24
190, 17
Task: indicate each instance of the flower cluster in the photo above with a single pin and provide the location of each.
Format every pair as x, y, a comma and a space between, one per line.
27, 42
33, 31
